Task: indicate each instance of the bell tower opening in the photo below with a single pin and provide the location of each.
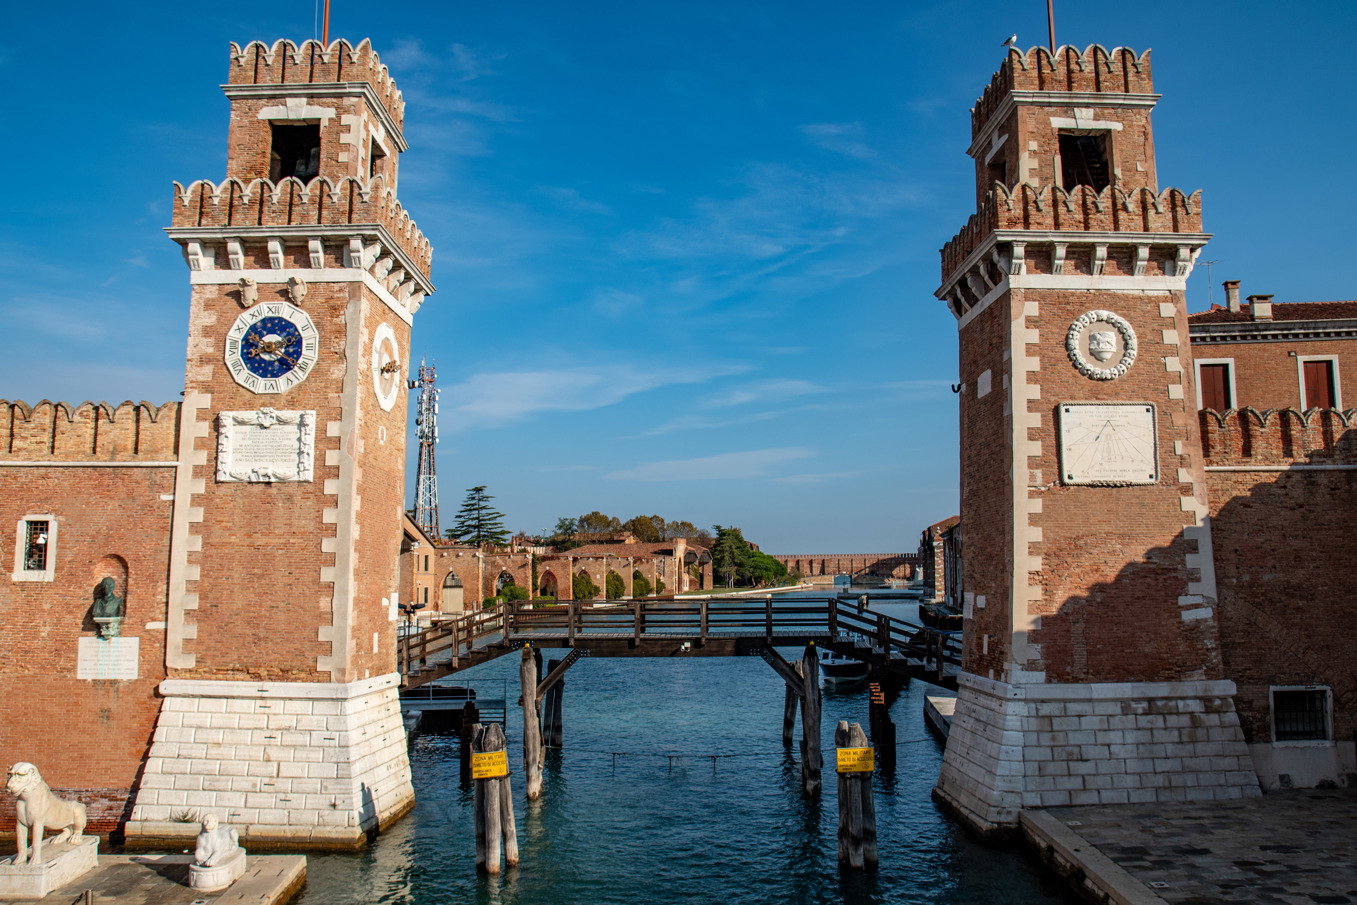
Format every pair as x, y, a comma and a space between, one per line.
294, 151
1085, 159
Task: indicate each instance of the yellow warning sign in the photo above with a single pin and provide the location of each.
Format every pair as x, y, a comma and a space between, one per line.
490, 765
857, 760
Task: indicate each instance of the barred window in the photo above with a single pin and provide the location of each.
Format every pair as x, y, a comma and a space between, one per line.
35, 546
1300, 714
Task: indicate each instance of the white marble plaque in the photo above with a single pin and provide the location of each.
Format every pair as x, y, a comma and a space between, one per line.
266, 446
107, 658
1108, 443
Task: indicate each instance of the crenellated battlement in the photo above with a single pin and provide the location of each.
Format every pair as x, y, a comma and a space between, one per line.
1051, 208
1094, 70
260, 203
311, 62
1280, 437
88, 432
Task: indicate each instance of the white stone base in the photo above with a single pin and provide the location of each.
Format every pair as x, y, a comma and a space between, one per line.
218, 876
291, 763
62, 863
1013, 747
1304, 765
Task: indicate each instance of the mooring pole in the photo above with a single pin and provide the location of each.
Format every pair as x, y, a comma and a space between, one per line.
551, 710
496, 831
532, 725
857, 810
811, 762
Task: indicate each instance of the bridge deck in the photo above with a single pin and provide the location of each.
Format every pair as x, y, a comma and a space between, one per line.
718, 627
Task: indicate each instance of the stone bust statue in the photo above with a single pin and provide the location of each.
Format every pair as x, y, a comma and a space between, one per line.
109, 609
215, 843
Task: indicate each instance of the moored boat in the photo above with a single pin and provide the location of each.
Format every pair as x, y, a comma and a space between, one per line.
838, 671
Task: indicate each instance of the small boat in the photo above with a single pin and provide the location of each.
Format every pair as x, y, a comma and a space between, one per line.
838, 671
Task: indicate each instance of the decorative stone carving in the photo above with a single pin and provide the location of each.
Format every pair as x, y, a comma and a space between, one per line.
38, 810
108, 609
265, 446
1102, 345
249, 292
296, 289
386, 366
218, 860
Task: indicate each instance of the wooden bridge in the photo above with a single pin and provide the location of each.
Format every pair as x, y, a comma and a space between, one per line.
712, 627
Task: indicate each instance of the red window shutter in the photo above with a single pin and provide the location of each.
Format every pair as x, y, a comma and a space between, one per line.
1318, 384
1216, 387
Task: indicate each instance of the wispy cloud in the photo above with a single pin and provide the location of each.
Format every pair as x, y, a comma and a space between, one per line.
495, 398
697, 422
573, 200
616, 303
816, 478
765, 391
472, 64
755, 463
841, 138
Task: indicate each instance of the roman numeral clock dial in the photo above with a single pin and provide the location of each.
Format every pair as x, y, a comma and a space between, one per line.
271, 347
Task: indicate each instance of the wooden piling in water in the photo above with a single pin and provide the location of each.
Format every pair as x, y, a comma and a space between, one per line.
496, 831
471, 720
552, 718
811, 762
532, 726
789, 706
857, 809
882, 727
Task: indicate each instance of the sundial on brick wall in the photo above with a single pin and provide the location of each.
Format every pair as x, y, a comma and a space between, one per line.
1108, 444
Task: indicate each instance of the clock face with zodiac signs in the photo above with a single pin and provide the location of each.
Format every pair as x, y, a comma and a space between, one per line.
271, 347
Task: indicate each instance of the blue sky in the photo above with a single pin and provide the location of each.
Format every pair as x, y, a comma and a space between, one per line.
685, 252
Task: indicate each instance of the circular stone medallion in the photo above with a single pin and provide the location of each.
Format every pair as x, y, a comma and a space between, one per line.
1101, 345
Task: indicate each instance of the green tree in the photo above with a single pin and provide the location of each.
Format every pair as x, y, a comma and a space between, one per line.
478, 523
596, 526
647, 529
640, 585
582, 587
673, 530
659, 586
730, 554
616, 586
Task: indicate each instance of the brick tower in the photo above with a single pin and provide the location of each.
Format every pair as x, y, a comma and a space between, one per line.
280, 709
1092, 669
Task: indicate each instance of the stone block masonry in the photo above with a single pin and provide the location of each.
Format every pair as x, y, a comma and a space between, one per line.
1013, 747
302, 764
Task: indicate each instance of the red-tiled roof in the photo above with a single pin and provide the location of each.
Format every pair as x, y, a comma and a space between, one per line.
1281, 311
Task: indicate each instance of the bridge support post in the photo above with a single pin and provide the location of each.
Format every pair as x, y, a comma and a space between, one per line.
552, 729
789, 711
811, 762
471, 718
857, 810
532, 725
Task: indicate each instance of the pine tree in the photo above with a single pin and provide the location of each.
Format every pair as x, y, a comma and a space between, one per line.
477, 522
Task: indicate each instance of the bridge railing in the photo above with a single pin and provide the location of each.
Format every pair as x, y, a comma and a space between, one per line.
451, 639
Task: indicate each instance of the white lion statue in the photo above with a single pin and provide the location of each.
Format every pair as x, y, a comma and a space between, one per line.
39, 809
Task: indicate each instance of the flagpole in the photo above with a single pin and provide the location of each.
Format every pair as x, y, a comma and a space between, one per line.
325, 35
1050, 19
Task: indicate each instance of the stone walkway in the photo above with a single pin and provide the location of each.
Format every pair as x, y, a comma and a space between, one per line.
1285, 848
163, 880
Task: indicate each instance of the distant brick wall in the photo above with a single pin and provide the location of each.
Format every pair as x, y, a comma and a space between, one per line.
1266, 374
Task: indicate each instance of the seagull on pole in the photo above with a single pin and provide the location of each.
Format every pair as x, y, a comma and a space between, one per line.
1012, 41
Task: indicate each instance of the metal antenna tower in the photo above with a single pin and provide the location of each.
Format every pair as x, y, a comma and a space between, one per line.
426, 429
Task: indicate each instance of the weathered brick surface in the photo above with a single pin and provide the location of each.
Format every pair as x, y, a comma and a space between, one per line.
1267, 374
1285, 563
87, 736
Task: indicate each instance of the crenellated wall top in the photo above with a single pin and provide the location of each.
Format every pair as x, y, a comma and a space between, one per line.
1094, 70
350, 201
286, 63
97, 432
1052, 209
1278, 437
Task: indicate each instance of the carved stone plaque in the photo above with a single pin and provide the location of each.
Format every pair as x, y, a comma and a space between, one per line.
1108, 444
266, 446
112, 658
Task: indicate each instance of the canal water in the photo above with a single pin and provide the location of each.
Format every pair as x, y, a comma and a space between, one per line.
673, 787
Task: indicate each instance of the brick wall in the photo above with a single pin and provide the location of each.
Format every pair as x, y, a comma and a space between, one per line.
1285, 563
88, 737
1267, 374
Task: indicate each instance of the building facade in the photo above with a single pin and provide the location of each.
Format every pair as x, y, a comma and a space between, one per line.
1092, 665
252, 532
